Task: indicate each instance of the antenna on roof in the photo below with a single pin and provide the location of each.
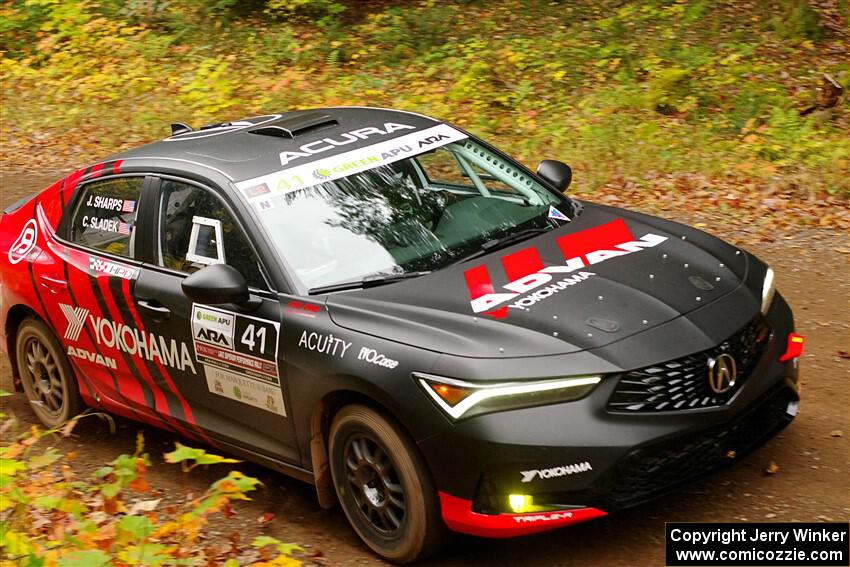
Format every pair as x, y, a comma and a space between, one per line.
180, 128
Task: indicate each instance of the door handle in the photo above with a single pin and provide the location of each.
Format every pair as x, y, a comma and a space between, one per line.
157, 311
53, 285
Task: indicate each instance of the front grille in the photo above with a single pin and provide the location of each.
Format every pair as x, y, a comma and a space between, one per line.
649, 473
682, 384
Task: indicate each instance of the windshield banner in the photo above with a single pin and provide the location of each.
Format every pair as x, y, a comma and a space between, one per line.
349, 163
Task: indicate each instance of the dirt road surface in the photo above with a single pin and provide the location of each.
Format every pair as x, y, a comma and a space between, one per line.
813, 454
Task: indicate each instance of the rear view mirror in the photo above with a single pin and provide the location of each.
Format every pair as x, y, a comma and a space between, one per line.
217, 284
556, 172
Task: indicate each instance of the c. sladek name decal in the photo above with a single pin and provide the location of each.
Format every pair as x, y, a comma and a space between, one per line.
335, 167
555, 472
134, 342
526, 272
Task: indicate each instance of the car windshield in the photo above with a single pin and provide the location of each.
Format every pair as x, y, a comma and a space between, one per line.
416, 214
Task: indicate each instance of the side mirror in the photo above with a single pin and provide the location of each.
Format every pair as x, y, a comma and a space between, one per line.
556, 172
217, 284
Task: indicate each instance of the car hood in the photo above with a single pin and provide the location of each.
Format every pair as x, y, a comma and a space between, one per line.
607, 275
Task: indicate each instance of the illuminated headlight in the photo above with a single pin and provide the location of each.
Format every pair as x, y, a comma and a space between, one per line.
767, 291
465, 399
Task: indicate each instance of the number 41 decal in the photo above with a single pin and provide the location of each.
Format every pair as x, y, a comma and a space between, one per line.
249, 335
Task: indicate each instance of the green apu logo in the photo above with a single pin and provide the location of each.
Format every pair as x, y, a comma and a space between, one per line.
237, 392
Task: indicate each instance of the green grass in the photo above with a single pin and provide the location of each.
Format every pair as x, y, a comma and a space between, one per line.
625, 92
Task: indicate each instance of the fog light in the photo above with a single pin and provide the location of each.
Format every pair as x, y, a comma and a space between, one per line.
520, 502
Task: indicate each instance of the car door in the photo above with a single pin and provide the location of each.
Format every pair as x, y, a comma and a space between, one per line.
230, 379
88, 297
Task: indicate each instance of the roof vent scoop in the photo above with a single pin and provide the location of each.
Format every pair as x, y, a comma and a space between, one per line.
295, 125
180, 128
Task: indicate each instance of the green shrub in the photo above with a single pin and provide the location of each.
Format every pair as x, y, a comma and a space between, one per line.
50, 516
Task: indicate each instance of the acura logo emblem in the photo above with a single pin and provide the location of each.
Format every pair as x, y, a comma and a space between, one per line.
722, 373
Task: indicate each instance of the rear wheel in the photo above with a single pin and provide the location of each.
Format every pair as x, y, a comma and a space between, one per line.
46, 374
384, 486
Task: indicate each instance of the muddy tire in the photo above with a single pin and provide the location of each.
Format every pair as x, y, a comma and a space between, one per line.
384, 486
46, 374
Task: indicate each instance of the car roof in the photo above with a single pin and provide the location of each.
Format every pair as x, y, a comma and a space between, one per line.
251, 147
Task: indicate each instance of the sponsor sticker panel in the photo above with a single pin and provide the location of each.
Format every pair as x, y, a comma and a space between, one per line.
348, 163
239, 355
245, 390
238, 343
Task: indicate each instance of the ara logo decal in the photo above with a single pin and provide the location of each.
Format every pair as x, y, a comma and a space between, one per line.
25, 242
325, 144
528, 476
213, 336
76, 317
526, 272
213, 327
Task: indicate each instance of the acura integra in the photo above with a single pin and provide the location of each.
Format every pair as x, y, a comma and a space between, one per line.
385, 306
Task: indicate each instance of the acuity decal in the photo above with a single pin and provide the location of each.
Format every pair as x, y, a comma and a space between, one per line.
326, 344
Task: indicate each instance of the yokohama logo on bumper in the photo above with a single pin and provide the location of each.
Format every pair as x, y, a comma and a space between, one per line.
528, 476
528, 275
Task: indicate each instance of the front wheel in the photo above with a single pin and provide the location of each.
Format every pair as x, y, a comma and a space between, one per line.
46, 375
384, 486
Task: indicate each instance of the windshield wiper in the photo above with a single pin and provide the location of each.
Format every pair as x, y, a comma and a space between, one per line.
369, 281
497, 243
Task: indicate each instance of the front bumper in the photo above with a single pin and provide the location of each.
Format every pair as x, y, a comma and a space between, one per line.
579, 458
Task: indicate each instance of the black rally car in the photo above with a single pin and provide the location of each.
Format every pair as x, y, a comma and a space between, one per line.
383, 305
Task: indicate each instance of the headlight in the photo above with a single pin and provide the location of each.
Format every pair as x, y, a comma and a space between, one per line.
767, 291
465, 399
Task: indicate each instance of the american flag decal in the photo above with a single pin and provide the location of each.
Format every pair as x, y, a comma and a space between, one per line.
124, 228
128, 206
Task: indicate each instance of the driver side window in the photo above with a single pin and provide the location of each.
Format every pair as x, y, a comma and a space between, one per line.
197, 230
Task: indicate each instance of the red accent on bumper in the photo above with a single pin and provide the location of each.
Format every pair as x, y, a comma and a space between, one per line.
795, 347
459, 517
